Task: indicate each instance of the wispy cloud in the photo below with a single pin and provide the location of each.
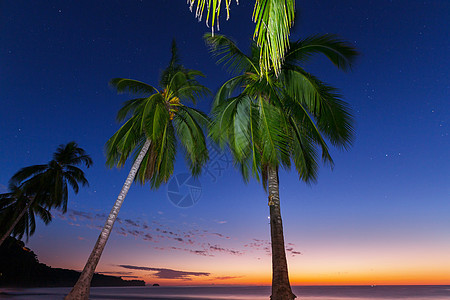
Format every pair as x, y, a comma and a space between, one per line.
128, 275
225, 277
265, 245
168, 273
224, 250
117, 273
220, 221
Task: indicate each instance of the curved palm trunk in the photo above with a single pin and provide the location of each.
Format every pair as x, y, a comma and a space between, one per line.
281, 288
81, 289
11, 228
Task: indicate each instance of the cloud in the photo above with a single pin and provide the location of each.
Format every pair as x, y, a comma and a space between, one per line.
220, 235
121, 274
147, 237
116, 273
191, 237
131, 222
226, 277
163, 273
221, 249
76, 214
220, 221
292, 251
200, 252
265, 245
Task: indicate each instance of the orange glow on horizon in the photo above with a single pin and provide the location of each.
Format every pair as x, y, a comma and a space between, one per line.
356, 279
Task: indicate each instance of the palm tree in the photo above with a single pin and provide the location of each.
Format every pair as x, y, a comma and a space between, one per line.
273, 20
18, 200
154, 123
269, 122
38, 188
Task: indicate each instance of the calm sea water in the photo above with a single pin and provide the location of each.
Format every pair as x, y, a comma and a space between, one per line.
239, 293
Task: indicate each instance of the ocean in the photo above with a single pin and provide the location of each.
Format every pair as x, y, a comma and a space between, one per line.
238, 293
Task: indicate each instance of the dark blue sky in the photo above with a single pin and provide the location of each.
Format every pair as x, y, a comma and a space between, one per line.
56, 58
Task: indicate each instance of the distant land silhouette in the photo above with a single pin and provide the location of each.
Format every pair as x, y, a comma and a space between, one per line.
20, 267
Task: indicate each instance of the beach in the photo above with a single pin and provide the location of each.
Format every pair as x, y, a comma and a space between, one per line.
239, 293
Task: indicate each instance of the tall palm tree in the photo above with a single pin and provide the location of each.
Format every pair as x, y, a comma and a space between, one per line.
41, 187
154, 124
273, 19
269, 122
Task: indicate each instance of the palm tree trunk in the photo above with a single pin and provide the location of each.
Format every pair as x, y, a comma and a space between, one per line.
81, 289
11, 228
281, 288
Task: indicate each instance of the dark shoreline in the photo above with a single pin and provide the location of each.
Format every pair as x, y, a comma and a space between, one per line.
20, 268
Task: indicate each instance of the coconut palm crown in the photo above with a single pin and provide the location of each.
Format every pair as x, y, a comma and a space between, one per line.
275, 120
161, 117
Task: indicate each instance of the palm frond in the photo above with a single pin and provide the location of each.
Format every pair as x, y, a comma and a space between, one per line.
144, 115
123, 85
128, 108
304, 154
157, 166
73, 183
77, 174
44, 214
245, 136
226, 91
27, 172
213, 11
273, 137
273, 20
160, 122
188, 124
173, 67
228, 54
223, 116
325, 104
339, 52
184, 86
303, 126
71, 154
122, 143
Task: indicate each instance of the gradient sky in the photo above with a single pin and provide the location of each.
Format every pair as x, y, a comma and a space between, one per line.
380, 217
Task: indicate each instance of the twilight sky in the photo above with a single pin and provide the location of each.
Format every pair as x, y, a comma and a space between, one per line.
380, 217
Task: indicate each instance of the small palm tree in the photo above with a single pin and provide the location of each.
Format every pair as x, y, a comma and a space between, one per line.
17, 200
270, 121
155, 123
273, 19
38, 188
